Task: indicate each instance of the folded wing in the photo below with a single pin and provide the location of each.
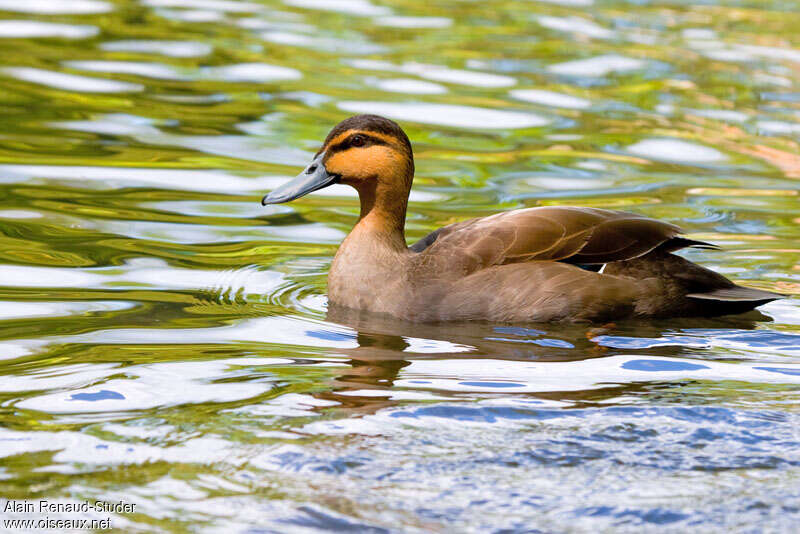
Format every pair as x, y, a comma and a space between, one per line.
566, 234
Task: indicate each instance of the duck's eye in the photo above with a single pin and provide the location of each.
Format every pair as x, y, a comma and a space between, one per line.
358, 140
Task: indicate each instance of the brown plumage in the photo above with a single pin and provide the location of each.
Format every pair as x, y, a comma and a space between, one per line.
527, 265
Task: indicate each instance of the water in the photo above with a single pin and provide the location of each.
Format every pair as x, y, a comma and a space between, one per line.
165, 339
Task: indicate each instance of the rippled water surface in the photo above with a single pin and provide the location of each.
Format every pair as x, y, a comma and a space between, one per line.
165, 339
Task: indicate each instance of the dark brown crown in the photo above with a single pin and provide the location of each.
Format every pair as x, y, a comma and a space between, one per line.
371, 123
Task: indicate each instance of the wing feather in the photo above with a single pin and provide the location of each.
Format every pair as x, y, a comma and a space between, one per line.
568, 234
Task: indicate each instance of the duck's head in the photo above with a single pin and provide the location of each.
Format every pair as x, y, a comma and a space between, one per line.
368, 152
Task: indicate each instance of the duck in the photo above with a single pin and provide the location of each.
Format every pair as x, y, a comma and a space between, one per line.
532, 265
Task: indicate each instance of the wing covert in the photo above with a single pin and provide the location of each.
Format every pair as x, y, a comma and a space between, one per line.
569, 234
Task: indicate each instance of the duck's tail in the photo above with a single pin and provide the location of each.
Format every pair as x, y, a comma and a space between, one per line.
730, 300
690, 289
738, 294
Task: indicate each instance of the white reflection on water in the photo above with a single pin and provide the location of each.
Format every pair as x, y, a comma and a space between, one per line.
727, 115
58, 376
460, 76
783, 311
734, 52
230, 6
204, 233
144, 272
550, 98
10, 350
250, 72
771, 52
172, 383
283, 330
16, 29
778, 127
158, 71
20, 214
568, 183
414, 22
325, 44
202, 208
675, 150
447, 115
212, 98
762, 78
191, 15
392, 394
70, 82
174, 179
244, 147
243, 72
146, 387
164, 48
82, 448
698, 33
433, 346
257, 23
372, 64
598, 66
437, 73
576, 25
20, 310
56, 7
351, 7
515, 376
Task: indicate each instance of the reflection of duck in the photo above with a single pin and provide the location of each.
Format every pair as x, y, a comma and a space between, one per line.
388, 349
536, 264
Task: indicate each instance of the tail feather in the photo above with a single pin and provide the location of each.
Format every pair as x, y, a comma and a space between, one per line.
687, 289
737, 294
677, 243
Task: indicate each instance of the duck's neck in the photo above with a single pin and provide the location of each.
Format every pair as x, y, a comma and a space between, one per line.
370, 258
383, 217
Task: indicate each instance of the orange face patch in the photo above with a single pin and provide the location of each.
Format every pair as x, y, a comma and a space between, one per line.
357, 164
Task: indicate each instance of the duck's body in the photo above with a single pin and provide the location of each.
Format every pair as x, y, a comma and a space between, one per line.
528, 265
534, 265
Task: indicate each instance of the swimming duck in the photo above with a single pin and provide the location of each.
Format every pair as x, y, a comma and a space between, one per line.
528, 265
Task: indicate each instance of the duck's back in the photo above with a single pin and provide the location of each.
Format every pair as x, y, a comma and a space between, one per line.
538, 264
